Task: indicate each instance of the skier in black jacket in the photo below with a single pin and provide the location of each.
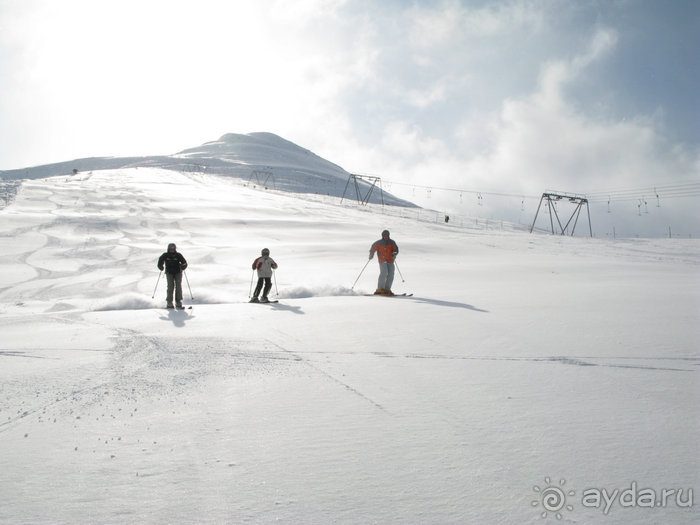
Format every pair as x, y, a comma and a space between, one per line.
174, 263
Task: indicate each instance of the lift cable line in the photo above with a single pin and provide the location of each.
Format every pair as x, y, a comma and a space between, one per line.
645, 196
457, 190
668, 191
687, 185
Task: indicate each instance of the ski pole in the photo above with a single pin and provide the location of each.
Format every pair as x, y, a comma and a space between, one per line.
154, 290
361, 271
188, 285
399, 269
274, 275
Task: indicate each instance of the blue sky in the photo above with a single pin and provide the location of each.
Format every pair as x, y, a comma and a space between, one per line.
516, 96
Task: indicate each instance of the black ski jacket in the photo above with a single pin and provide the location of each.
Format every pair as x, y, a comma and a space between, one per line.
172, 262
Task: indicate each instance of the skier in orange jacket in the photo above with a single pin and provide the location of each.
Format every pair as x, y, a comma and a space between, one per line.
387, 250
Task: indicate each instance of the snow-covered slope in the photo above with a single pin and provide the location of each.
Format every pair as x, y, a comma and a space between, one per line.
264, 159
525, 368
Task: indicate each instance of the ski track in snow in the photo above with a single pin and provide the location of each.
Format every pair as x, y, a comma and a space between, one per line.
141, 369
569, 360
318, 369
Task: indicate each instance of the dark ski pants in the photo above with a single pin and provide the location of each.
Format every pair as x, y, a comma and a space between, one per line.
266, 290
386, 275
174, 284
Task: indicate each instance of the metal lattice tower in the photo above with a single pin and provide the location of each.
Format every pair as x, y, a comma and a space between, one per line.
373, 182
552, 198
264, 175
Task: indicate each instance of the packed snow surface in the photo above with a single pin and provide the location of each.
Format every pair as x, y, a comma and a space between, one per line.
526, 375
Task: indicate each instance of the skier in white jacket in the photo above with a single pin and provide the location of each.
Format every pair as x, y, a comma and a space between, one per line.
264, 265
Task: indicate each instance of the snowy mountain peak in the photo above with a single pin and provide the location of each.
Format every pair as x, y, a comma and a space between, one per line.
261, 148
233, 141
260, 137
284, 166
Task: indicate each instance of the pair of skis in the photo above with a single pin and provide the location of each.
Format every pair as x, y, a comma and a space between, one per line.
190, 308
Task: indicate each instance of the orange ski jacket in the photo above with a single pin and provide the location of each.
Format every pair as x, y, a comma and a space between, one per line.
386, 250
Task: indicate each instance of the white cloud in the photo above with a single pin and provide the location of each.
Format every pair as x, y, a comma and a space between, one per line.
543, 140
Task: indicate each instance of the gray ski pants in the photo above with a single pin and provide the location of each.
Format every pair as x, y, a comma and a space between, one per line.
386, 275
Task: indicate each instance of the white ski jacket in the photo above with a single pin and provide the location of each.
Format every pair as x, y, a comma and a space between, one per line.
264, 265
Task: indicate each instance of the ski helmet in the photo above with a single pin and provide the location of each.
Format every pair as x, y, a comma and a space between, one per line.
171, 246
385, 232
265, 251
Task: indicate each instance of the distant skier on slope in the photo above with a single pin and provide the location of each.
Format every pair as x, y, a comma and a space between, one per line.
264, 265
387, 250
174, 264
